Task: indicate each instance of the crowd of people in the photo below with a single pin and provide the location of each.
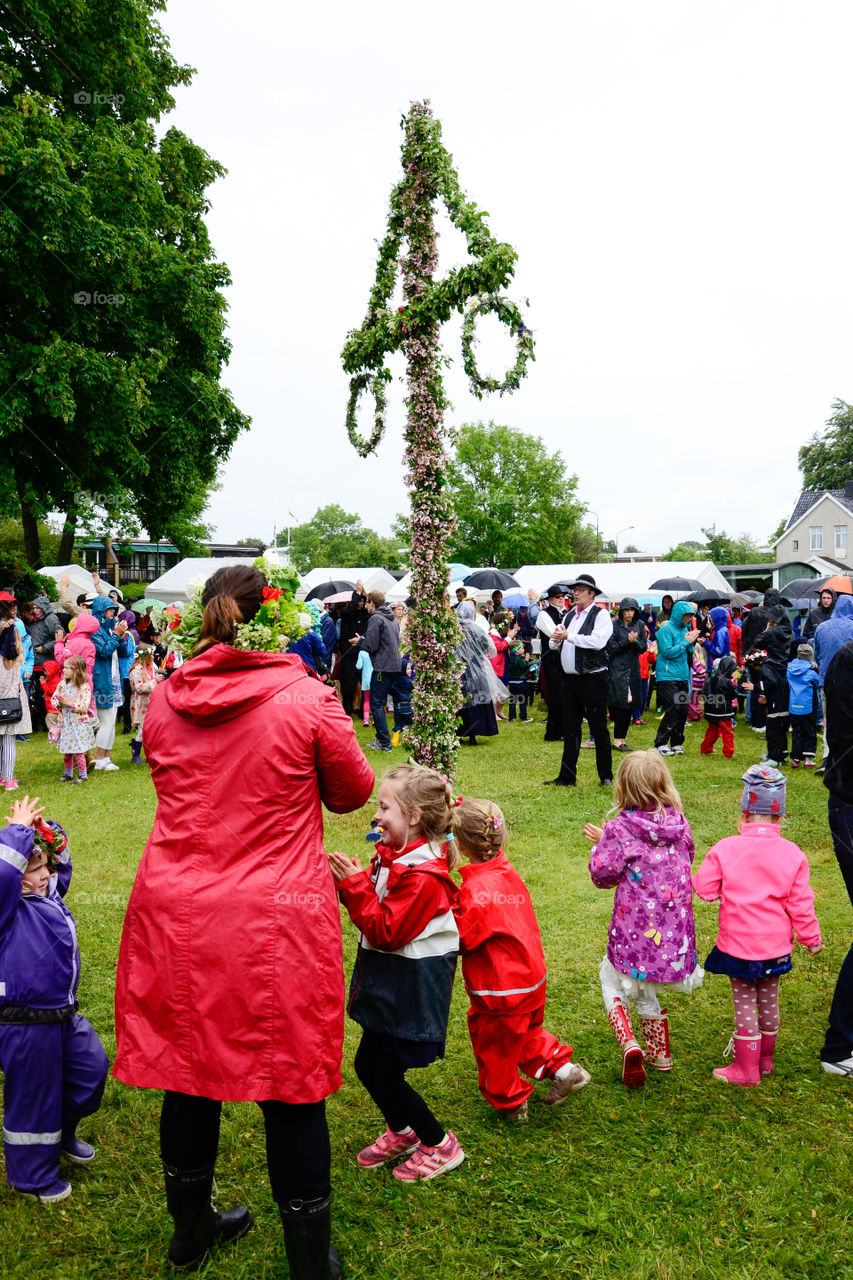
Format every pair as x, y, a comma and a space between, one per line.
206, 1024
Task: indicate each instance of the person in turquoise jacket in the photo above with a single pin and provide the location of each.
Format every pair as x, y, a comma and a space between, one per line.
675, 640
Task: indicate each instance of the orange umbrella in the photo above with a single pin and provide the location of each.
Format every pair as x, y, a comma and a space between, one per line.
840, 584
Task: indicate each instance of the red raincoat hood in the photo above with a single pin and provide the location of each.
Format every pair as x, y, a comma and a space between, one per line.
223, 683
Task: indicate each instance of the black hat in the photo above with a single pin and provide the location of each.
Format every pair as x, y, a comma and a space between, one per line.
558, 589
586, 580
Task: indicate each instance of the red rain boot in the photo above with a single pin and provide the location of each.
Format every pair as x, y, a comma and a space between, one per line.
744, 1070
633, 1071
656, 1035
768, 1044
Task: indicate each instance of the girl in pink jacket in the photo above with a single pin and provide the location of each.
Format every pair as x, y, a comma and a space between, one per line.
762, 884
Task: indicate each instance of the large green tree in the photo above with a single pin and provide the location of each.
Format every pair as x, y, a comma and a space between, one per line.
513, 500
339, 539
112, 317
827, 460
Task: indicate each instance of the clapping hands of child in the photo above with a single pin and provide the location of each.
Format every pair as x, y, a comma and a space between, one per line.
593, 833
24, 812
342, 866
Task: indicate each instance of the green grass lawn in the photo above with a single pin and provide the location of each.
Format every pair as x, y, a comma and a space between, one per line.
686, 1177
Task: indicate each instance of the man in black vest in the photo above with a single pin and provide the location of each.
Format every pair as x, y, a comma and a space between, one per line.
580, 639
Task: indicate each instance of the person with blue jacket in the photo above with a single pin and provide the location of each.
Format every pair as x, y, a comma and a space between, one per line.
111, 644
717, 643
803, 704
53, 1063
829, 637
675, 640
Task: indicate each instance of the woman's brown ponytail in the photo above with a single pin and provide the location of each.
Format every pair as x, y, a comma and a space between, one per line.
231, 597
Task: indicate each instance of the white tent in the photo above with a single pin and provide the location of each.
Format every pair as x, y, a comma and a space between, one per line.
81, 579
374, 579
628, 579
172, 585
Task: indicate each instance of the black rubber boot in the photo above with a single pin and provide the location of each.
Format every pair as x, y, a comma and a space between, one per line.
307, 1239
198, 1226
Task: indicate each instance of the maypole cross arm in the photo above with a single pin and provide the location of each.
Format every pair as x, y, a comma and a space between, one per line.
410, 247
472, 288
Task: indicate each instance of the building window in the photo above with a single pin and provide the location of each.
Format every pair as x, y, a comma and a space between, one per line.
816, 537
840, 537
795, 545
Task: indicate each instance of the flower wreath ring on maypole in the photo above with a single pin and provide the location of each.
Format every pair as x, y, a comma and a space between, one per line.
375, 382
508, 314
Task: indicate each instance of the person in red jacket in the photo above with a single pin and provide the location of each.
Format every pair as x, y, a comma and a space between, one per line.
230, 971
503, 966
403, 976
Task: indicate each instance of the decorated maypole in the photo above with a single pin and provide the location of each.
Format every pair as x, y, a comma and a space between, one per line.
410, 244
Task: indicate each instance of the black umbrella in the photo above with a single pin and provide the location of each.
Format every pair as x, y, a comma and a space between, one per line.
330, 589
676, 584
709, 595
490, 580
805, 586
754, 597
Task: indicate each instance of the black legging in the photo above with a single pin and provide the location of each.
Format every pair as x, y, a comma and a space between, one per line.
620, 718
384, 1078
299, 1155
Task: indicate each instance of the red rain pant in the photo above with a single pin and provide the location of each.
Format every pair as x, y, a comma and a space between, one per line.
504, 1045
717, 729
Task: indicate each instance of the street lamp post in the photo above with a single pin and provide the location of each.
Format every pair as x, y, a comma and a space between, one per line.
597, 538
625, 530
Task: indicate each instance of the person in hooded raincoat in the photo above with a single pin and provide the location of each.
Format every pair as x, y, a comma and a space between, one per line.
230, 976
625, 693
822, 612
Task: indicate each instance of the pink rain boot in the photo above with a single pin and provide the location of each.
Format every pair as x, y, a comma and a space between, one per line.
656, 1035
744, 1070
633, 1071
768, 1044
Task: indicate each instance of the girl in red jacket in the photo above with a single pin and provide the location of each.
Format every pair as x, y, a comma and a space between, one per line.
503, 965
403, 976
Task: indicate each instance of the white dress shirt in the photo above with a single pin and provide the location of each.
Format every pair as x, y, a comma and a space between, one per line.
597, 639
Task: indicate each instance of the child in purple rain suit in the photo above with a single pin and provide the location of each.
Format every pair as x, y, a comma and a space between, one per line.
53, 1063
646, 852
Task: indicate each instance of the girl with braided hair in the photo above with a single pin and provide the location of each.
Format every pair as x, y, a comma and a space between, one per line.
503, 966
403, 976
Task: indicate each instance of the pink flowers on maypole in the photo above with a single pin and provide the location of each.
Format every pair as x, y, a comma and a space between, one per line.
414, 328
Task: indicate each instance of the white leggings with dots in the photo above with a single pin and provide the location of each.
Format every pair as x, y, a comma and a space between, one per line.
756, 1006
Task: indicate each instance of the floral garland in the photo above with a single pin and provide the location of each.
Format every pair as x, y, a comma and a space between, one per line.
509, 314
414, 328
49, 837
272, 630
360, 383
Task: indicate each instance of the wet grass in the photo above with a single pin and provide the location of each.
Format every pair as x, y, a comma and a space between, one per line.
684, 1177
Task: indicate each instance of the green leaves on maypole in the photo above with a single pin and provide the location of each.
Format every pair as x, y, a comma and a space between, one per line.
410, 246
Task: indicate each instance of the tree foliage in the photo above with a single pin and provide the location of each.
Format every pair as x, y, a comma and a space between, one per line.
827, 460
718, 547
339, 539
513, 501
112, 320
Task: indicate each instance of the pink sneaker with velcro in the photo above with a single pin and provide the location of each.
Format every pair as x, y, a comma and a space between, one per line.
429, 1162
388, 1147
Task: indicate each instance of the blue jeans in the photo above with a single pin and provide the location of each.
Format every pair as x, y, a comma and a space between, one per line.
838, 1044
381, 684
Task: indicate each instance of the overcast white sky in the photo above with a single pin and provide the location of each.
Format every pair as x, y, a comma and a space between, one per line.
674, 176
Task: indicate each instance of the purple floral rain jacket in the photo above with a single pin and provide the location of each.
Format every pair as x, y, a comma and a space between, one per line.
647, 856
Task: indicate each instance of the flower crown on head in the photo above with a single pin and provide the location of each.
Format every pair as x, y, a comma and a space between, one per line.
274, 627
50, 839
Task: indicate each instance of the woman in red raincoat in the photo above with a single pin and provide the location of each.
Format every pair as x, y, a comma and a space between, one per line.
230, 977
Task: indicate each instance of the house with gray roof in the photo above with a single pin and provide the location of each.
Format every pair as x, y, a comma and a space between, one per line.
820, 528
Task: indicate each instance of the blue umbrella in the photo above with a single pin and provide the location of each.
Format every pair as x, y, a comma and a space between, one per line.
515, 600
